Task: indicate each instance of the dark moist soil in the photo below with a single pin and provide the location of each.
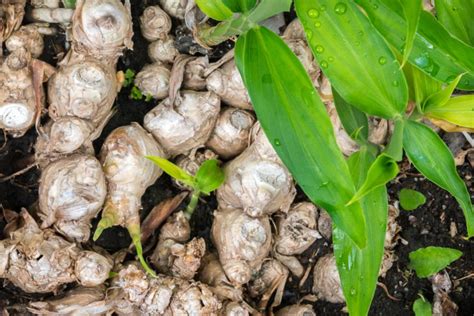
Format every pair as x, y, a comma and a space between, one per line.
429, 225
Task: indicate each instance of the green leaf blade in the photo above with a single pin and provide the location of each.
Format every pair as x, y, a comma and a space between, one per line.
435, 51
430, 155
296, 122
240, 5
172, 170
458, 111
209, 176
355, 122
456, 17
359, 268
411, 10
369, 79
430, 260
411, 199
422, 307
441, 97
215, 9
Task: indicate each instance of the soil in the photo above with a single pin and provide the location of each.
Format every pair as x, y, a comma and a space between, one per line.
429, 225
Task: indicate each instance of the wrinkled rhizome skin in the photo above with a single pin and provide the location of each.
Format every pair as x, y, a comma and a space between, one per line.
153, 80
296, 310
257, 181
128, 174
39, 261
72, 191
155, 24
231, 133
243, 242
26, 37
102, 29
326, 281
18, 96
12, 12
175, 256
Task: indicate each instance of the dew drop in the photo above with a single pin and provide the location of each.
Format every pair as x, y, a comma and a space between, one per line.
313, 13
277, 142
422, 61
353, 291
340, 8
317, 24
324, 64
309, 34
395, 83
331, 59
319, 49
382, 60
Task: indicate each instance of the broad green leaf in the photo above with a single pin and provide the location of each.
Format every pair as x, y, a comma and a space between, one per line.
354, 56
458, 110
382, 170
430, 155
297, 124
354, 121
456, 16
223, 31
209, 176
411, 199
173, 170
216, 9
422, 307
435, 51
394, 149
430, 260
240, 5
359, 268
411, 11
441, 97
421, 84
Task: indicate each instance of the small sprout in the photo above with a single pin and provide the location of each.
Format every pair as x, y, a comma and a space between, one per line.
421, 307
136, 94
430, 260
411, 199
148, 97
208, 178
129, 77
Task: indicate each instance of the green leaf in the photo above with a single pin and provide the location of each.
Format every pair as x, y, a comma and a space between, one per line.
240, 5
458, 110
297, 124
69, 4
136, 94
354, 56
421, 85
173, 170
223, 31
394, 149
411, 11
430, 260
359, 268
456, 16
129, 76
441, 97
430, 155
216, 9
382, 170
209, 176
422, 307
355, 122
435, 51
411, 199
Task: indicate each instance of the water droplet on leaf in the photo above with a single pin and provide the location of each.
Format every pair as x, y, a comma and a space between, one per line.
422, 61
340, 8
277, 142
331, 59
324, 64
319, 49
382, 60
313, 13
395, 83
317, 24
309, 34
353, 291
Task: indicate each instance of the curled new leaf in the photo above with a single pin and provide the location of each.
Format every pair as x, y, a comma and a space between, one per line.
172, 170
215, 9
458, 111
209, 176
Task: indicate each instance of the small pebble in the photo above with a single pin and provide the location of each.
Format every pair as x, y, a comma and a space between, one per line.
424, 231
412, 220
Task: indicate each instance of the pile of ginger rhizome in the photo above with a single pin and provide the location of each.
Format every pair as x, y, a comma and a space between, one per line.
203, 112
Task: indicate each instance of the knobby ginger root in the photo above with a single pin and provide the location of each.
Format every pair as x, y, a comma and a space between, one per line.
191, 163
155, 24
39, 261
12, 13
163, 50
242, 242
153, 80
72, 191
326, 281
296, 310
231, 133
26, 37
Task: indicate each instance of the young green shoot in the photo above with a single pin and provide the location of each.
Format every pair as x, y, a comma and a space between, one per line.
411, 199
208, 178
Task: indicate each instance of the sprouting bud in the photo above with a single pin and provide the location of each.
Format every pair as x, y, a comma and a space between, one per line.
72, 191
326, 281
102, 28
257, 181
155, 23
227, 83
26, 37
296, 310
242, 242
196, 299
191, 163
163, 50
92, 269
153, 80
83, 88
231, 133
18, 108
297, 230
184, 124
176, 228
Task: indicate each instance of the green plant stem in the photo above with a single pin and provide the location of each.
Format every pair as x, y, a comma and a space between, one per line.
193, 203
134, 231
